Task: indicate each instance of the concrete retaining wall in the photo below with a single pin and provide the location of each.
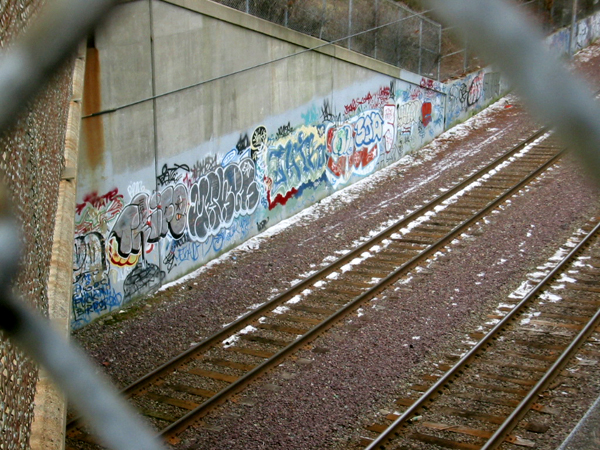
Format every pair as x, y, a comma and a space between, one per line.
204, 126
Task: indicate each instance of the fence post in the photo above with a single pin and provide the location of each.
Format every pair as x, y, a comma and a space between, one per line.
323, 19
376, 25
573, 28
247, 6
399, 47
350, 25
420, 45
439, 57
466, 60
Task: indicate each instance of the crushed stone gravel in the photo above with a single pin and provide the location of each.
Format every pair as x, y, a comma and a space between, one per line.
326, 394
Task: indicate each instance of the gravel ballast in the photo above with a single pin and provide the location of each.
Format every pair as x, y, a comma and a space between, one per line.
330, 391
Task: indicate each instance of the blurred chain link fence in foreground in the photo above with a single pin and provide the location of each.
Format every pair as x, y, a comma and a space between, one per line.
32, 153
31, 163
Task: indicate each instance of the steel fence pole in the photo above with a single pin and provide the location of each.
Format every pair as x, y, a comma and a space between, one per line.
419, 70
323, 19
350, 25
439, 57
573, 27
24, 69
466, 56
399, 46
376, 25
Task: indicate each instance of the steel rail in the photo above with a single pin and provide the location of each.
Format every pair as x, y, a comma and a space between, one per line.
240, 323
164, 370
190, 418
381, 441
520, 411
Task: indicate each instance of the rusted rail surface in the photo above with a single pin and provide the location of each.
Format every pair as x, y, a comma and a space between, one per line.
508, 367
182, 391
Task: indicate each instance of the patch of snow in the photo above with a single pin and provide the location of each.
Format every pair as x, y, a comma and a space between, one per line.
522, 290
548, 296
295, 299
281, 310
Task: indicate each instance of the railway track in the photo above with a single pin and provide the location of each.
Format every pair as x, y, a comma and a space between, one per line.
179, 393
477, 402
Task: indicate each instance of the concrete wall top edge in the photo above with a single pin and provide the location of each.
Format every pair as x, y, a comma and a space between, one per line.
239, 18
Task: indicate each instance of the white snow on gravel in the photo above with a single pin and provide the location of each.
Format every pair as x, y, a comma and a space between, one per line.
354, 191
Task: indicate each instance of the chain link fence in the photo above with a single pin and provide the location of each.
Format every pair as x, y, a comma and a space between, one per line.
30, 165
393, 33
31, 156
457, 57
382, 29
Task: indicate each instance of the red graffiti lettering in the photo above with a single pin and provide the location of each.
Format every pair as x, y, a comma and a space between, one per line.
426, 113
97, 201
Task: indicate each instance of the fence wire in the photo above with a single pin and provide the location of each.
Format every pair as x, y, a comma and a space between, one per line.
409, 40
417, 43
31, 157
31, 166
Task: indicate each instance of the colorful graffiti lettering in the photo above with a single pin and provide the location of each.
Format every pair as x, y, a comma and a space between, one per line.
292, 162
150, 217
428, 83
97, 201
95, 212
125, 249
221, 196
353, 148
92, 297
370, 101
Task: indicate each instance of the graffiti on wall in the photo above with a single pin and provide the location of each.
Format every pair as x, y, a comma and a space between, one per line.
97, 211
354, 147
147, 219
293, 163
491, 85
127, 248
92, 291
370, 101
582, 38
465, 94
221, 196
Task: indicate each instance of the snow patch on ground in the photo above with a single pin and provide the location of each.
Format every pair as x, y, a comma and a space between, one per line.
350, 193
